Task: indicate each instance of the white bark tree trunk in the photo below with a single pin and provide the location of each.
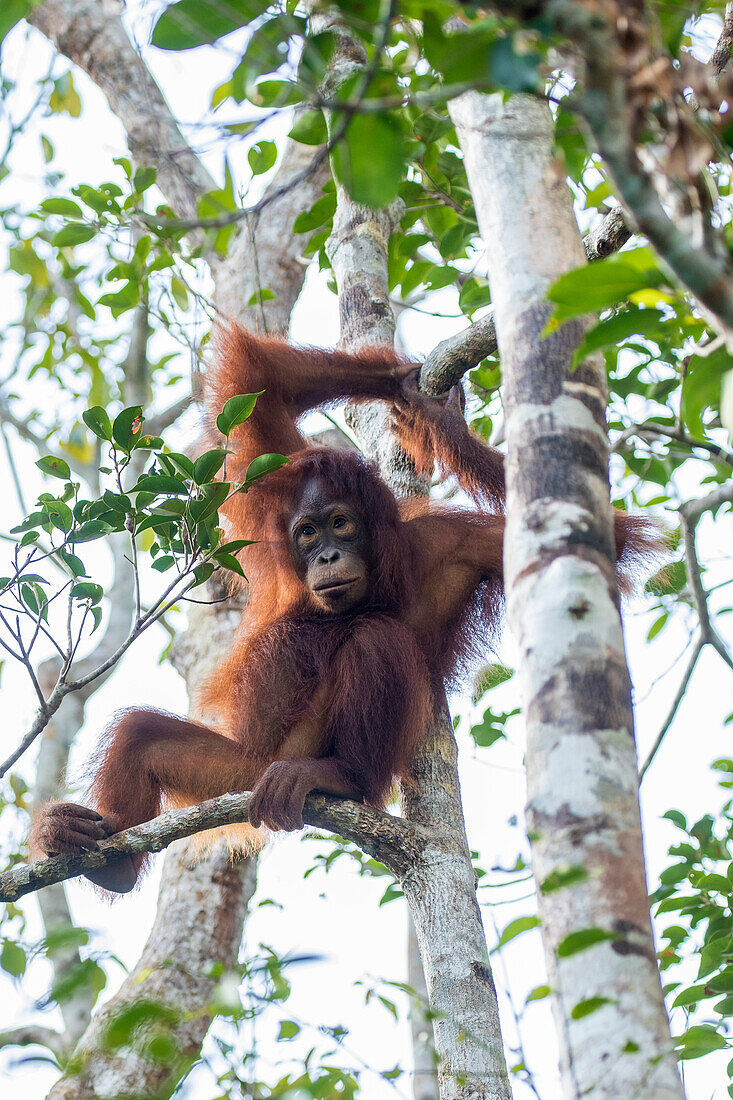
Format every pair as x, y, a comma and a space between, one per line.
583, 812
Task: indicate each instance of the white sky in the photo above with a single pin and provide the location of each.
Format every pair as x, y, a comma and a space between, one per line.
336, 917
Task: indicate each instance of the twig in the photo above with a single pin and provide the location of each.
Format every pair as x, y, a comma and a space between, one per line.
690, 513
673, 709
678, 435
392, 840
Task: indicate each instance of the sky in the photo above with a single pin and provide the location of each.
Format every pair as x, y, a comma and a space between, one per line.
336, 917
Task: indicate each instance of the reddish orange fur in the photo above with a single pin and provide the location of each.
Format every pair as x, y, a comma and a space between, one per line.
309, 700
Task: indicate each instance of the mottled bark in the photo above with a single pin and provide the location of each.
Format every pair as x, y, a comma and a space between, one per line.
174, 973
425, 1062
583, 813
441, 893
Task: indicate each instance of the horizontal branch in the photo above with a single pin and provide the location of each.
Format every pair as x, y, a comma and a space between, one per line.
447, 363
392, 840
33, 1035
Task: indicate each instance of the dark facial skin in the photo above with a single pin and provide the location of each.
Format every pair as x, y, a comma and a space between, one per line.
330, 549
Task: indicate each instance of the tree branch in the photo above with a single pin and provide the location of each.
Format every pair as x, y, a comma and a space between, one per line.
32, 1035
721, 54
392, 840
452, 358
659, 431
681, 690
93, 37
690, 513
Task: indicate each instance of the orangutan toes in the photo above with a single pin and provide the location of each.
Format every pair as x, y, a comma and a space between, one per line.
63, 828
278, 799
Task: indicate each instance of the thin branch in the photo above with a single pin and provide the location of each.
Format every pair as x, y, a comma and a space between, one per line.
65, 687
689, 517
678, 435
690, 513
681, 690
33, 1035
397, 843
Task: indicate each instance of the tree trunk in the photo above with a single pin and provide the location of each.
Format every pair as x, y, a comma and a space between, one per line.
583, 811
441, 891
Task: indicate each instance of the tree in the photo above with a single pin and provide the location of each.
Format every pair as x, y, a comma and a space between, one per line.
388, 145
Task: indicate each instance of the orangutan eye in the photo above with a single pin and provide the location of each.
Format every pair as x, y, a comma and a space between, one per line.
339, 522
308, 531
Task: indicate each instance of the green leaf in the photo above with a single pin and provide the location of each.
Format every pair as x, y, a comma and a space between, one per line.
236, 410
604, 283
515, 71
59, 514
370, 159
12, 959
229, 562
120, 301
288, 1030
54, 467
700, 1040
143, 179
262, 156
202, 572
490, 677
701, 387
73, 234
179, 292
264, 464
75, 564
671, 578
657, 626
11, 12
127, 426
67, 207
93, 529
97, 420
585, 1008
691, 996
163, 563
538, 993
236, 544
262, 294
580, 941
209, 464
191, 23
516, 928
87, 590
64, 98
160, 483
309, 128
212, 496
614, 330
562, 877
